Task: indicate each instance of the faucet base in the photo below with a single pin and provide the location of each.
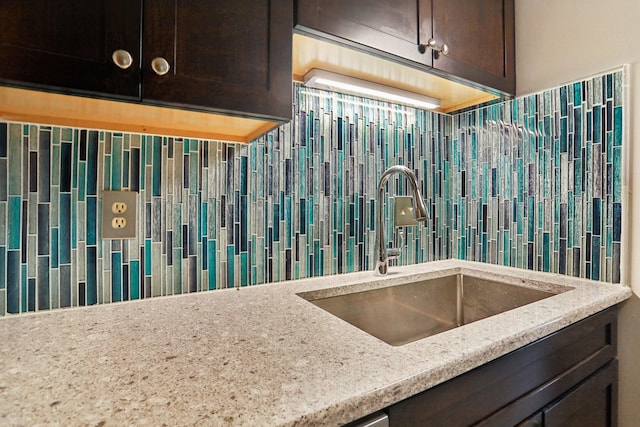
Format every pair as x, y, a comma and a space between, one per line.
381, 268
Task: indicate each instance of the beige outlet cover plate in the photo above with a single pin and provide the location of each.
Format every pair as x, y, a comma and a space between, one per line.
109, 214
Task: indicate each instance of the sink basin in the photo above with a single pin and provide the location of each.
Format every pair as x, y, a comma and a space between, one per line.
404, 313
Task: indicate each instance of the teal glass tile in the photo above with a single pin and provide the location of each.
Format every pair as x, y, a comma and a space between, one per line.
116, 276
157, 166
597, 124
576, 91
91, 275
202, 220
147, 149
91, 220
617, 126
82, 181
134, 279
116, 163
287, 220
231, 282
577, 176
595, 258
276, 222
244, 269
147, 257
609, 85
14, 220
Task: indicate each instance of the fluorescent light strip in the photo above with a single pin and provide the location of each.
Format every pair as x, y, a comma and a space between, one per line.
321, 79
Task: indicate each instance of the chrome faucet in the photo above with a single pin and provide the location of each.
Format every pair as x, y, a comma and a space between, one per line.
382, 265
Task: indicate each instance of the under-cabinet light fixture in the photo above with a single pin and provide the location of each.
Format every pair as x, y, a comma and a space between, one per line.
327, 80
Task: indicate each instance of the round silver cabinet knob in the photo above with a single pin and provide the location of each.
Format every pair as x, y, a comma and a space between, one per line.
122, 58
432, 44
160, 66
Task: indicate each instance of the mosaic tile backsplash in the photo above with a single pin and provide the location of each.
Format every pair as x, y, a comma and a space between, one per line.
536, 182
533, 183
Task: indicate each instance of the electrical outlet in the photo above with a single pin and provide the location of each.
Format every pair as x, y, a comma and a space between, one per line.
118, 222
119, 207
119, 214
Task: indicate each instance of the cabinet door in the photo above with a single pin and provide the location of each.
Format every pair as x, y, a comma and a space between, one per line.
232, 56
68, 45
592, 403
371, 25
481, 40
510, 389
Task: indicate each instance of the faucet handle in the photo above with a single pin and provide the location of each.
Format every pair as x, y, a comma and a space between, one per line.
393, 253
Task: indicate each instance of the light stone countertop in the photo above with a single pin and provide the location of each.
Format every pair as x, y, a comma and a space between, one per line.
255, 356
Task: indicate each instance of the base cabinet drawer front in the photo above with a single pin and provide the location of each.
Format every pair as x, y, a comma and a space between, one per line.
592, 403
533, 421
517, 387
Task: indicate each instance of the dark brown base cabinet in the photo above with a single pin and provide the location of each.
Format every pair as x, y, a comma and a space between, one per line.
568, 378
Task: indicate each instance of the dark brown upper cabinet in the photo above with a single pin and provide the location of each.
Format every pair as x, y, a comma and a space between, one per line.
67, 45
387, 27
222, 57
479, 34
234, 56
480, 37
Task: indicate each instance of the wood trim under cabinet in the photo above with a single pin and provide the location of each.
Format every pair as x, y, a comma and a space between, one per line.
310, 53
75, 111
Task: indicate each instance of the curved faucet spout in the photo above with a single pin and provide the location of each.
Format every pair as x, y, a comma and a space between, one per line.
420, 210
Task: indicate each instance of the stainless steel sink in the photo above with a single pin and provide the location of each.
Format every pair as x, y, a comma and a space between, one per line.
404, 313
